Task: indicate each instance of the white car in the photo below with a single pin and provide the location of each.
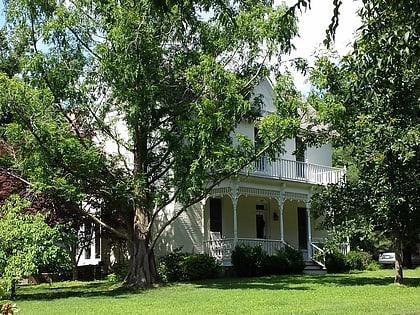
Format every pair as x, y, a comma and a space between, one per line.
387, 258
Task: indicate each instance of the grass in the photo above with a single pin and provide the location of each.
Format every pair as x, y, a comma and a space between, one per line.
370, 292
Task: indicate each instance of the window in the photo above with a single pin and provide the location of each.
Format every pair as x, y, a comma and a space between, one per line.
216, 215
261, 163
300, 157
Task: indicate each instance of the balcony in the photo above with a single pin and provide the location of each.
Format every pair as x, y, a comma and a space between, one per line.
295, 171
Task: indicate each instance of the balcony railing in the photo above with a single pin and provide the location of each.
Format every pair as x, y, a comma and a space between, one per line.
296, 171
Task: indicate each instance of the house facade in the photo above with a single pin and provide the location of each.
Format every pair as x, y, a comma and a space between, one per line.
266, 204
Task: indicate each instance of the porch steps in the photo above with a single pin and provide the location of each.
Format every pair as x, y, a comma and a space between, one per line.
313, 268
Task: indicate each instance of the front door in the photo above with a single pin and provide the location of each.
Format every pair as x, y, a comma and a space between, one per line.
260, 223
302, 229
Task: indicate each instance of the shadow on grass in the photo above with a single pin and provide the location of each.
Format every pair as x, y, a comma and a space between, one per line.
293, 282
61, 290
302, 282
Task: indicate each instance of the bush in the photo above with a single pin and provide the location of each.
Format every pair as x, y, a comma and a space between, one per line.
201, 266
296, 261
358, 260
117, 272
170, 266
253, 261
373, 266
275, 265
6, 307
113, 277
335, 262
248, 260
178, 266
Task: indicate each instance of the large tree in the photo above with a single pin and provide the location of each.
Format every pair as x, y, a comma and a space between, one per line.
371, 97
131, 106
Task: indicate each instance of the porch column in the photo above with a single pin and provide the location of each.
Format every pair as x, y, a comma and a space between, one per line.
280, 202
203, 228
235, 220
308, 215
234, 195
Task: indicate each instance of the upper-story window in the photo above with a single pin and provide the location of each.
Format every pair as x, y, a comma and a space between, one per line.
261, 163
300, 151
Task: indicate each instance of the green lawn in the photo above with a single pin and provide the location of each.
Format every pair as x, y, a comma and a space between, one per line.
370, 292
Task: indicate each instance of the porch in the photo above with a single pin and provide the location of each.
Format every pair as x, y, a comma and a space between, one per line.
221, 249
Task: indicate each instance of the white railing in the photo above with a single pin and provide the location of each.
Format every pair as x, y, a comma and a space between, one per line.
295, 170
318, 255
270, 247
222, 249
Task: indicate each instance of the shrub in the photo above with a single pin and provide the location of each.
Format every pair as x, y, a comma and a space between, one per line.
201, 266
170, 266
6, 307
118, 271
295, 259
248, 260
113, 277
335, 262
178, 266
275, 265
373, 266
358, 260
253, 261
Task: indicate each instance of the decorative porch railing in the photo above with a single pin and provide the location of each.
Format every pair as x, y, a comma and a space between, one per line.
318, 255
222, 249
296, 171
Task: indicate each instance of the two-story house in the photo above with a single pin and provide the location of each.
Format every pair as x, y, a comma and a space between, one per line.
267, 204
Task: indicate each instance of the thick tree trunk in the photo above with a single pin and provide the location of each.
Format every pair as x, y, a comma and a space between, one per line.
142, 271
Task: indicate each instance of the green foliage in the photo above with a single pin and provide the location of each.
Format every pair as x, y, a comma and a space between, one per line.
335, 262
295, 259
277, 264
170, 266
247, 260
179, 266
113, 277
250, 261
116, 103
201, 266
358, 260
373, 266
6, 307
28, 244
371, 98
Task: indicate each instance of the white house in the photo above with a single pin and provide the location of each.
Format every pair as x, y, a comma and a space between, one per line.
267, 204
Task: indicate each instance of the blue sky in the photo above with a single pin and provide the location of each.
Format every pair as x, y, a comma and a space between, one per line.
312, 25
1, 13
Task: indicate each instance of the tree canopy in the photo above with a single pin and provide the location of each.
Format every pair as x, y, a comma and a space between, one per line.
371, 98
131, 106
